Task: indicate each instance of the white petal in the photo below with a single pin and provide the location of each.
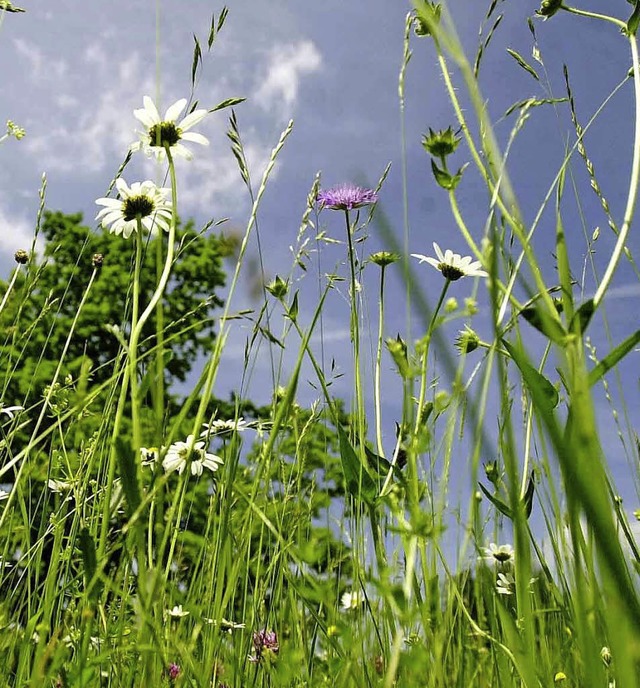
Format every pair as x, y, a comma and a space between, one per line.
181, 152
419, 256
439, 253
196, 138
123, 188
448, 257
192, 119
434, 262
109, 203
173, 111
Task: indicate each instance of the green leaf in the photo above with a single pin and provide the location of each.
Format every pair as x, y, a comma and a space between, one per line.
546, 324
527, 499
89, 561
520, 60
498, 503
128, 474
360, 484
634, 20
613, 357
444, 179
582, 317
534, 380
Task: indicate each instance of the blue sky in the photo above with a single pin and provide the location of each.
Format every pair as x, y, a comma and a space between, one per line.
74, 71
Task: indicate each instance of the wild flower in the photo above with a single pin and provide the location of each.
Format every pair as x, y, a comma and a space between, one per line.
173, 671
148, 455
220, 426
193, 453
165, 132
10, 411
4, 494
351, 600
58, 486
452, 265
498, 554
265, 646
142, 200
346, 197
467, 340
177, 612
506, 584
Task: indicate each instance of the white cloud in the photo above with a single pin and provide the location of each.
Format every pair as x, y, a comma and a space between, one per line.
96, 128
16, 231
287, 64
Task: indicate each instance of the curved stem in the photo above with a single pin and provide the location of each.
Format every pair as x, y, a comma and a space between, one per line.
594, 15
633, 186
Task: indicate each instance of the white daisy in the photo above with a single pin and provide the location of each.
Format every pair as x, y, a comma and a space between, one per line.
452, 265
142, 200
351, 600
177, 612
498, 554
220, 426
166, 131
505, 584
4, 495
192, 452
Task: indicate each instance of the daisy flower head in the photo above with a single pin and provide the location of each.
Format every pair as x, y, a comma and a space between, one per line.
498, 554
141, 200
163, 132
452, 265
346, 197
505, 584
351, 600
190, 452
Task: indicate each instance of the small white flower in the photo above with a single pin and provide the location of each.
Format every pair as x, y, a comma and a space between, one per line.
219, 426
142, 200
452, 265
505, 584
177, 612
59, 486
4, 494
498, 554
148, 456
10, 410
180, 453
225, 625
161, 132
351, 600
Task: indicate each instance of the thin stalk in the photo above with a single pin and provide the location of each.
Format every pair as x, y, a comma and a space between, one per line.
633, 185
10, 287
376, 388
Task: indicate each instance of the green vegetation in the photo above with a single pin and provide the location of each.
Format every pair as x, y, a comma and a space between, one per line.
150, 538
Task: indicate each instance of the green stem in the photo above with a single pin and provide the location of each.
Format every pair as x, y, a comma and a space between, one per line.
376, 389
133, 344
10, 287
594, 15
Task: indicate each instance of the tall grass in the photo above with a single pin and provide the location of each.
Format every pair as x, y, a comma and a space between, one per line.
148, 540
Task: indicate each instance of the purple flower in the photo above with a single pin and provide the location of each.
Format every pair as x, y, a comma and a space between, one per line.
346, 197
173, 670
265, 645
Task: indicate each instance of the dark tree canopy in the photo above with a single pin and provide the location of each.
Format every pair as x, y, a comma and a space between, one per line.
35, 322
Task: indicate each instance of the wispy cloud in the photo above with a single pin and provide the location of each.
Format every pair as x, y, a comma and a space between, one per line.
287, 65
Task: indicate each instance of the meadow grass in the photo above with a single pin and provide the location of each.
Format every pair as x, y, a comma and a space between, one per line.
148, 539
